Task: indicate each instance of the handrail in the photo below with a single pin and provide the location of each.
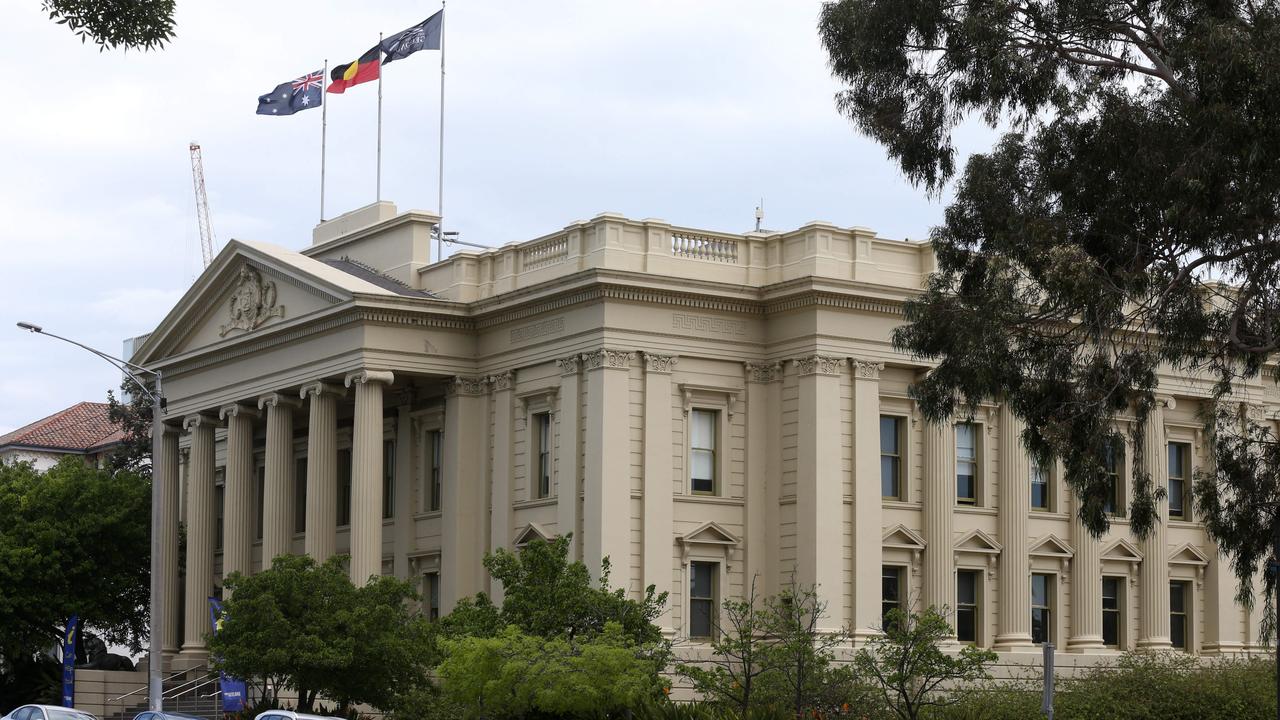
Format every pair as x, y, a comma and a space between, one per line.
144, 687
197, 683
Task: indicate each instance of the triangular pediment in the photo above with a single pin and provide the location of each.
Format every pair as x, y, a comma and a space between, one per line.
1122, 550
250, 289
977, 541
531, 532
1187, 554
903, 537
708, 534
1051, 546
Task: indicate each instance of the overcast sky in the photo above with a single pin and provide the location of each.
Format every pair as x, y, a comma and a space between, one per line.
555, 111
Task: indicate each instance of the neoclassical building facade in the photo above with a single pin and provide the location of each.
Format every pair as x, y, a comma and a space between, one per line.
707, 410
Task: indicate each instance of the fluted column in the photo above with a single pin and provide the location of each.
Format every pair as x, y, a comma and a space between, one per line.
568, 474
167, 474
867, 501
1014, 622
366, 474
820, 484
1086, 587
1154, 634
939, 486
200, 532
322, 469
659, 527
238, 491
277, 496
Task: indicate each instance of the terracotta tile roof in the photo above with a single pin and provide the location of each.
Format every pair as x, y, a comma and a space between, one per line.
81, 427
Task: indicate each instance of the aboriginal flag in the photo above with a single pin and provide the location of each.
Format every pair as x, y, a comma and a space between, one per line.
354, 73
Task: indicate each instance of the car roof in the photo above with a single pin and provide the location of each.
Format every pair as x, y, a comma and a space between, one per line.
298, 715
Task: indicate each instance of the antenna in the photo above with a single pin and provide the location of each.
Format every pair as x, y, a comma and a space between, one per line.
759, 214
207, 241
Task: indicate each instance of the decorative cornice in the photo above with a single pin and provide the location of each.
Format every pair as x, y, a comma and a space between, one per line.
608, 359
662, 364
865, 369
502, 381
385, 377
278, 400
462, 385
832, 300
819, 365
569, 365
763, 372
321, 388
237, 410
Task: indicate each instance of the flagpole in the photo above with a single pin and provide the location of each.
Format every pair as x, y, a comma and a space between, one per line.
379, 183
440, 179
324, 131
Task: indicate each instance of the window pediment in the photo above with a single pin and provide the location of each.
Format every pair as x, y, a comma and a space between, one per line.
903, 538
1122, 551
708, 538
529, 533
977, 541
1187, 554
1051, 546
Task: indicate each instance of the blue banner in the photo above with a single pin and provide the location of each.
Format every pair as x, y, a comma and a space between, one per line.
232, 688
69, 662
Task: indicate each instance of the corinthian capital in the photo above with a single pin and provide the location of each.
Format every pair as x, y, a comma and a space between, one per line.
866, 370
819, 365
660, 363
609, 359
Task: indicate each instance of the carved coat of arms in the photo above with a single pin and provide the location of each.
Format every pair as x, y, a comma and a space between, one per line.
252, 303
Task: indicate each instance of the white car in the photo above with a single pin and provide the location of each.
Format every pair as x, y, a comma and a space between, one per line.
288, 715
47, 712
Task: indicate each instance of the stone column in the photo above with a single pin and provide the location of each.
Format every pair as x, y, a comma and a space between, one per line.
464, 531
239, 490
167, 475
1086, 587
277, 497
867, 502
322, 469
500, 529
820, 484
200, 533
1014, 623
606, 522
568, 475
1223, 616
659, 524
1154, 618
366, 474
939, 486
761, 415
402, 504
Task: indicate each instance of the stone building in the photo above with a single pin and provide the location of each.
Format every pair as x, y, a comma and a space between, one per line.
82, 430
703, 408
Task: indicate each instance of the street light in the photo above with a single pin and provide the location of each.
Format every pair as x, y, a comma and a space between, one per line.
155, 685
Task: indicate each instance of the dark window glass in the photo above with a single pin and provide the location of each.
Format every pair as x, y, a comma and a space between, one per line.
1178, 480
1178, 630
891, 592
1039, 487
300, 495
702, 451
702, 599
388, 479
344, 486
1111, 611
220, 505
1041, 608
542, 428
1113, 460
967, 606
433, 596
437, 450
891, 457
966, 464
262, 498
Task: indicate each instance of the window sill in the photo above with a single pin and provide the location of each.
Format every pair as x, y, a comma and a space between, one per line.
710, 500
535, 503
427, 515
900, 504
1049, 515
976, 510
1190, 524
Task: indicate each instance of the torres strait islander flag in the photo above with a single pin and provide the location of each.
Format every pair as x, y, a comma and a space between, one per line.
359, 71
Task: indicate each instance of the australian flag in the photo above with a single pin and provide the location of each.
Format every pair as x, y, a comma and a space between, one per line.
290, 97
423, 36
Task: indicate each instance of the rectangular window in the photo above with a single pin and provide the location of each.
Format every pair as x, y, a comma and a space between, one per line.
388, 479
542, 441
1039, 487
702, 599
1179, 625
1179, 470
262, 498
220, 504
431, 594
1112, 613
435, 446
890, 592
702, 451
1041, 608
344, 487
966, 464
891, 457
968, 587
1114, 459
300, 495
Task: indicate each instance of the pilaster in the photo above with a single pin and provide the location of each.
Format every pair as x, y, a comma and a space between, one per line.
659, 524
867, 502
464, 530
568, 476
1086, 587
277, 497
762, 411
939, 493
366, 474
1154, 618
1014, 619
238, 490
820, 485
500, 527
167, 474
606, 521
200, 533
322, 469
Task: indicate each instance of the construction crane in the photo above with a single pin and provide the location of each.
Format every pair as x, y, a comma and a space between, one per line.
207, 241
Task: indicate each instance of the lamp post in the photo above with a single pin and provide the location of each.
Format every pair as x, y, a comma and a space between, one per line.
155, 685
